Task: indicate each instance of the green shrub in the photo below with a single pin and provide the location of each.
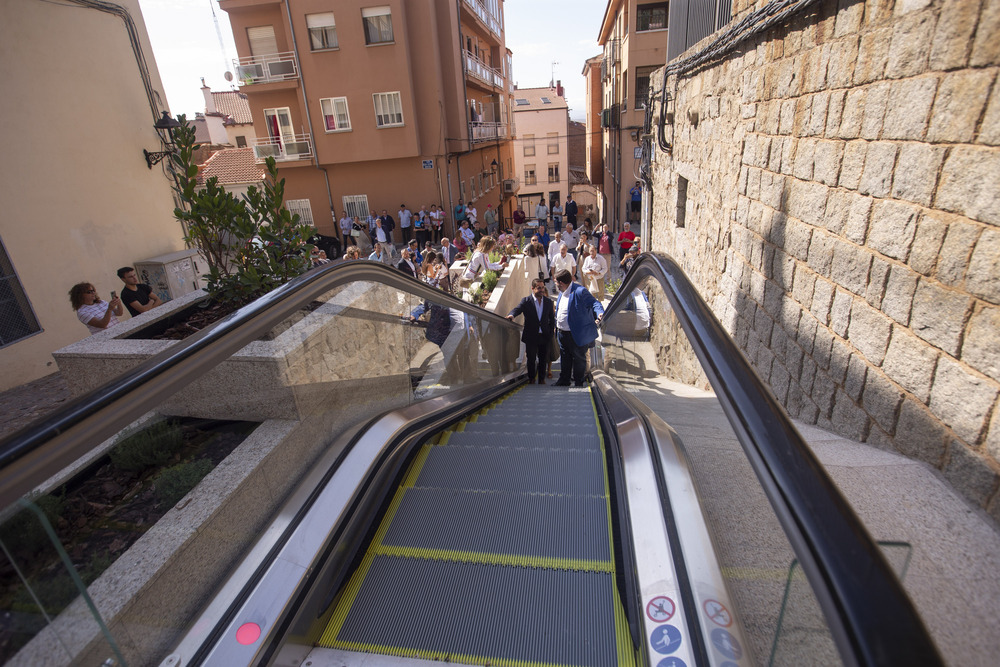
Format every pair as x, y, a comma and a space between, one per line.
490, 280
612, 286
174, 483
152, 446
495, 256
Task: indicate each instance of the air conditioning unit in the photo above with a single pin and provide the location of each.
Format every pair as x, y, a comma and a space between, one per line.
509, 186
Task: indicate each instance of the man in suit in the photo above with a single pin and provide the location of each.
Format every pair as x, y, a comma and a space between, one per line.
539, 323
577, 314
448, 252
406, 264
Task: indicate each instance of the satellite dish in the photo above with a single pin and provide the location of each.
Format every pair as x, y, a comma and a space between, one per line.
228, 75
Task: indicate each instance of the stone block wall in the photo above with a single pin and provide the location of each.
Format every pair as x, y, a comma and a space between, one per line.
842, 218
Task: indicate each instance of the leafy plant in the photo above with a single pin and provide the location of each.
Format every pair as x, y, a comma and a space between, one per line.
612, 286
174, 483
490, 280
251, 245
151, 446
495, 256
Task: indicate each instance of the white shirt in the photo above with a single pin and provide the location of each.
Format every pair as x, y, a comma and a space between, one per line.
478, 263
554, 249
471, 213
346, 224
380, 235
596, 264
87, 313
562, 312
539, 307
468, 235
404, 217
559, 263
571, 239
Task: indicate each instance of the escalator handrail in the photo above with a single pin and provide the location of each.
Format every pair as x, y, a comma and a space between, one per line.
33, 454
872, 619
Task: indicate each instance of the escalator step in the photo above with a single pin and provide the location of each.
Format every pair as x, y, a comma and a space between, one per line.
468, 613
559, 441
571, 472
539, 429
525, 529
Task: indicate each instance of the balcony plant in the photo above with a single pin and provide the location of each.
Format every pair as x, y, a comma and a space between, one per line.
252, 245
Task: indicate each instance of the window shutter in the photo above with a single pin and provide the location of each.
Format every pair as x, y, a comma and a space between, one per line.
262, 41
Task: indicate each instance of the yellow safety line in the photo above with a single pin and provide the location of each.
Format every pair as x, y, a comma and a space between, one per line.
347, 601
439, 655
623, 638
512, 560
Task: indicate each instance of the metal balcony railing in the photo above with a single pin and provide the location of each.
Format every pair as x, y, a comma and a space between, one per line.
480, 131
480, 70
283, 149
480, 10
267, 69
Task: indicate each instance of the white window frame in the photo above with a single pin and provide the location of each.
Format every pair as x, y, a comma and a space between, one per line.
328, 107
304, 210
375, 26
356, 206
319, 26
554, 171
553, 139
530, 175
382, 103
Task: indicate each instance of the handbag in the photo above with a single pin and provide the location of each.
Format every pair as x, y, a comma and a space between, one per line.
553, 348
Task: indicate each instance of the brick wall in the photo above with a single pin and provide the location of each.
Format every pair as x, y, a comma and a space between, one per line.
842, 218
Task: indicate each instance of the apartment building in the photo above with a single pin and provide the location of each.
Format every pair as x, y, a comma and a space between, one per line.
633, 35
367, 106
540, 149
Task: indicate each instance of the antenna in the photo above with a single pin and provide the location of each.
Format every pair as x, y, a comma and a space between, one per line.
222, 45
552, 81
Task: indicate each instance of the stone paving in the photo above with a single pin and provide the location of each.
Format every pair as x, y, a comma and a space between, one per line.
22, 405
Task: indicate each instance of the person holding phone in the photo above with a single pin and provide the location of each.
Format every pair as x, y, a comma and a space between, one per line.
98, 315
137, 297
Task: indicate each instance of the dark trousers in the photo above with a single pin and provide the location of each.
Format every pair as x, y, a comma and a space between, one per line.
537, 352
406, 234
572, 358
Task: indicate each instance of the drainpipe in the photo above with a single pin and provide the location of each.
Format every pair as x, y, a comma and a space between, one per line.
305, 105
465, 94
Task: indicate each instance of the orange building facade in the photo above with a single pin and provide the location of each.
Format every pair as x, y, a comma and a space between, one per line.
366, 107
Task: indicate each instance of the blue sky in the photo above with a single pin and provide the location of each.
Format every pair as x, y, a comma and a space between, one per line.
540, 32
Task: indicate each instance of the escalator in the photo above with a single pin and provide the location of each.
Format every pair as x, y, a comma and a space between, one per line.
475, 519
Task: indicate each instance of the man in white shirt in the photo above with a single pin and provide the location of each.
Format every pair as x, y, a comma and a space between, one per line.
571, 238
345, 230
542, 212
447, 251
404, 222
562, 262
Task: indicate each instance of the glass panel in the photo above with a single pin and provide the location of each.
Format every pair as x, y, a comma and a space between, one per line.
155, 518
647, 352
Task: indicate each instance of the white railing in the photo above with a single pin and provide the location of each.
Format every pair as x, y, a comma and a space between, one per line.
484, 15
267, 69
484, 131
480, 70
285, 149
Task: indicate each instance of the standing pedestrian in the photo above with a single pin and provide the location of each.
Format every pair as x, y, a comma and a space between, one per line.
346, 225
405, 217
577, 315
625, 240
542, 211
570, 210
492, 226
539, 324
636, 193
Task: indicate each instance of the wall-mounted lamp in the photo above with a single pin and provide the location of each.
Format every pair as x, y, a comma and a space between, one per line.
166, 123
493, 166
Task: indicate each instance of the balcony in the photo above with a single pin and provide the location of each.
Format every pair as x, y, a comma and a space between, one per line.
286, 149
511, 186
480, 131
267, 69
481, 11
478, 69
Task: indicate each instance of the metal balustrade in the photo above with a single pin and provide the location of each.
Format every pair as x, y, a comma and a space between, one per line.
283, 149
480, 131
267, 69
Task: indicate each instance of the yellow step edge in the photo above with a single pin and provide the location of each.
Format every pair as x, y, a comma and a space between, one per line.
508, 560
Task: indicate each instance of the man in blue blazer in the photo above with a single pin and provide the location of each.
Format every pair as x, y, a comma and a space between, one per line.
539, 323
577, 314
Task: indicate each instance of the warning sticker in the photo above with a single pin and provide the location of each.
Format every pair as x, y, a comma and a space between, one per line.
718, 613
660, 609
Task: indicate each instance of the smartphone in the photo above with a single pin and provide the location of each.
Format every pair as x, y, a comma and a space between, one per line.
114, 295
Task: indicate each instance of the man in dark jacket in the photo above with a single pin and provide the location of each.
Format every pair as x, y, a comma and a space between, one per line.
571, 210
406, 264
539, 323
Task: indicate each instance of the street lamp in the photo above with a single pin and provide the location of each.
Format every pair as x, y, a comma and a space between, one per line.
165, 123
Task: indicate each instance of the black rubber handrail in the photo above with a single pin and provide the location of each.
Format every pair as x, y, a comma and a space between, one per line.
35, 453
873, 621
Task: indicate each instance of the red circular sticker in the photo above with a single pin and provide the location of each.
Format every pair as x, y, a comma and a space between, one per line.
660, 609
718, 613
248, 633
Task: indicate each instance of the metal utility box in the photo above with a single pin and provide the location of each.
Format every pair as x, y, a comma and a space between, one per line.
172, 275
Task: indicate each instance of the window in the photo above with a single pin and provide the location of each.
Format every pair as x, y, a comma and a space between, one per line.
553, 138
642, 85
356, 206
17, 320
554, 172
529, 145
322, 31
521, 102
529, 174
388, 109
378, 25
335, 116
262, 41
461, 191
546, 100
651, 17
241, 141
302, 208
682, 195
